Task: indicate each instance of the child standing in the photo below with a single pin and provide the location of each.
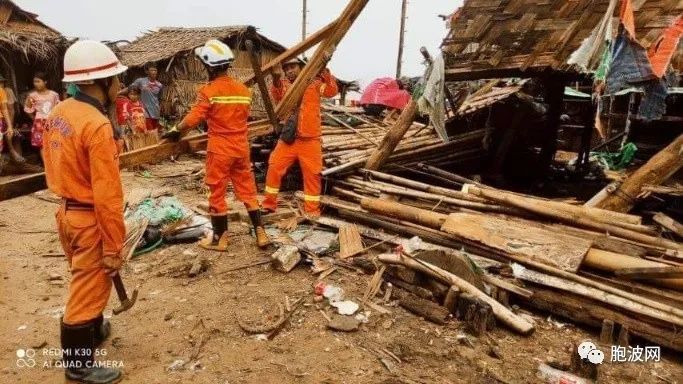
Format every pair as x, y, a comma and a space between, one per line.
136, 116
38, 105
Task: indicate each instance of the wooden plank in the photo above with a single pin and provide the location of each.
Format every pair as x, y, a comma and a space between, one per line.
650, 273
22, 185
668, 223
558, 250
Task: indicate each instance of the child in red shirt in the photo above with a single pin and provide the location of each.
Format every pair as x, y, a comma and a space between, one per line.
136, 113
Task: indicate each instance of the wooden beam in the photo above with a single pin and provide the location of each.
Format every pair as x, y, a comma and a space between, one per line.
297, 49
668, 223
393, 137
322, 55
650, 273
657, 170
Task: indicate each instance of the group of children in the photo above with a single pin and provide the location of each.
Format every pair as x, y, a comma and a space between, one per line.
130, 115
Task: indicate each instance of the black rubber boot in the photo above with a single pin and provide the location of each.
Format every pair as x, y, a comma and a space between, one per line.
102, 330
78, 347
262, 239
219, 240
255, 217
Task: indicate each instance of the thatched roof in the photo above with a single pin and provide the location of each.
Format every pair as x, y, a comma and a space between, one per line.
167, 42
22, 31
506, 38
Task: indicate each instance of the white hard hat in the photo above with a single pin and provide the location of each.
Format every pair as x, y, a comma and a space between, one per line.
88, 60
214, 53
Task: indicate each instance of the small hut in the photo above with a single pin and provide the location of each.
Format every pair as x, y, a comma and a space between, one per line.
172, 50
27, 45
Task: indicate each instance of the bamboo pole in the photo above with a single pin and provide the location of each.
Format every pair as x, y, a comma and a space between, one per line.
393, 137
298, 49
614, 262
320, 58
501, 312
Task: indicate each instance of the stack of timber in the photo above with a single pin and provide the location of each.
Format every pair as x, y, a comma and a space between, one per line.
346, 148
586, 264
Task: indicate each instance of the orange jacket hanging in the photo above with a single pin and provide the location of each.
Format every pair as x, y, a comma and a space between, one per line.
224, 103
324, 85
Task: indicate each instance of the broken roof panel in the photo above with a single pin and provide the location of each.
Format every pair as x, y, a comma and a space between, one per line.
505, 38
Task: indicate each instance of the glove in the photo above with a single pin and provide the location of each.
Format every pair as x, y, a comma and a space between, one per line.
172, 134
112, 263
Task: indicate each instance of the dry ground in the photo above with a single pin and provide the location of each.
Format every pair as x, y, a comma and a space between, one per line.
194, 320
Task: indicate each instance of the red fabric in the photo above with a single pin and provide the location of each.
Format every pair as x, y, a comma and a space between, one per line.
152, 124
37, 133
661, 52
122, 110
385, 91
136, 117
309, 154
221, 170
309, 114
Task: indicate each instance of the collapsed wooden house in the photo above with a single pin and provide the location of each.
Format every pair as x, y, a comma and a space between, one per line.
26, 46
559, 44
519, 38
172, 50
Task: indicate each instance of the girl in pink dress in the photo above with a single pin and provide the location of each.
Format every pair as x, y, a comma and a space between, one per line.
38, 105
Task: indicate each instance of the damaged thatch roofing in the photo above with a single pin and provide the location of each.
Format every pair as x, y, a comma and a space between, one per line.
167, 42
504, 38
22, 31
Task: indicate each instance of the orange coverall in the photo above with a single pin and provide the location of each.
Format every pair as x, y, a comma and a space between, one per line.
81, 166
307, 148
224, 103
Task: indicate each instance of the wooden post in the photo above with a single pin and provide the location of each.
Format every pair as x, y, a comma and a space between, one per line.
554, 86
607, 332
657, 170
304, 14
322, 55
401, 38
261, 81
393, 137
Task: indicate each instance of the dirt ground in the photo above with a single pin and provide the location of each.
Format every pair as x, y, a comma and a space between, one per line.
184, 330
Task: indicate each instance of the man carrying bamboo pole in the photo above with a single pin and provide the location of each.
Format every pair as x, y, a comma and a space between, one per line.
302, 143
224, 103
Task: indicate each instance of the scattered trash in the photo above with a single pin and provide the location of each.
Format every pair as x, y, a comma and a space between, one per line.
363, 317
22, 327
315, 241
176, 365
346, 307
344, 323
556, 376
412, 245
329, 291
286, 258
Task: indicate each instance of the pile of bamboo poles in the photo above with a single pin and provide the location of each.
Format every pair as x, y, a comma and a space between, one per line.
346, 148
600, 290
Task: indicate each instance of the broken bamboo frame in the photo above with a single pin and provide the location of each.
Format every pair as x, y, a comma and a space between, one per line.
393, 137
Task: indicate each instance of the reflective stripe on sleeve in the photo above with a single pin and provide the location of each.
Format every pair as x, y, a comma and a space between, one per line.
312, 198
271, 190
230, 100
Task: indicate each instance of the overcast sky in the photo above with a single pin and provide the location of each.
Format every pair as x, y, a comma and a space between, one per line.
368, 51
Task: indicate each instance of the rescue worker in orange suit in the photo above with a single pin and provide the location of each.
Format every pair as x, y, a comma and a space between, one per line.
81, 167
224, 104
306, 148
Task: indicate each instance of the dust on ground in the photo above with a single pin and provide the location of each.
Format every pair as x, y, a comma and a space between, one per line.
184, 330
